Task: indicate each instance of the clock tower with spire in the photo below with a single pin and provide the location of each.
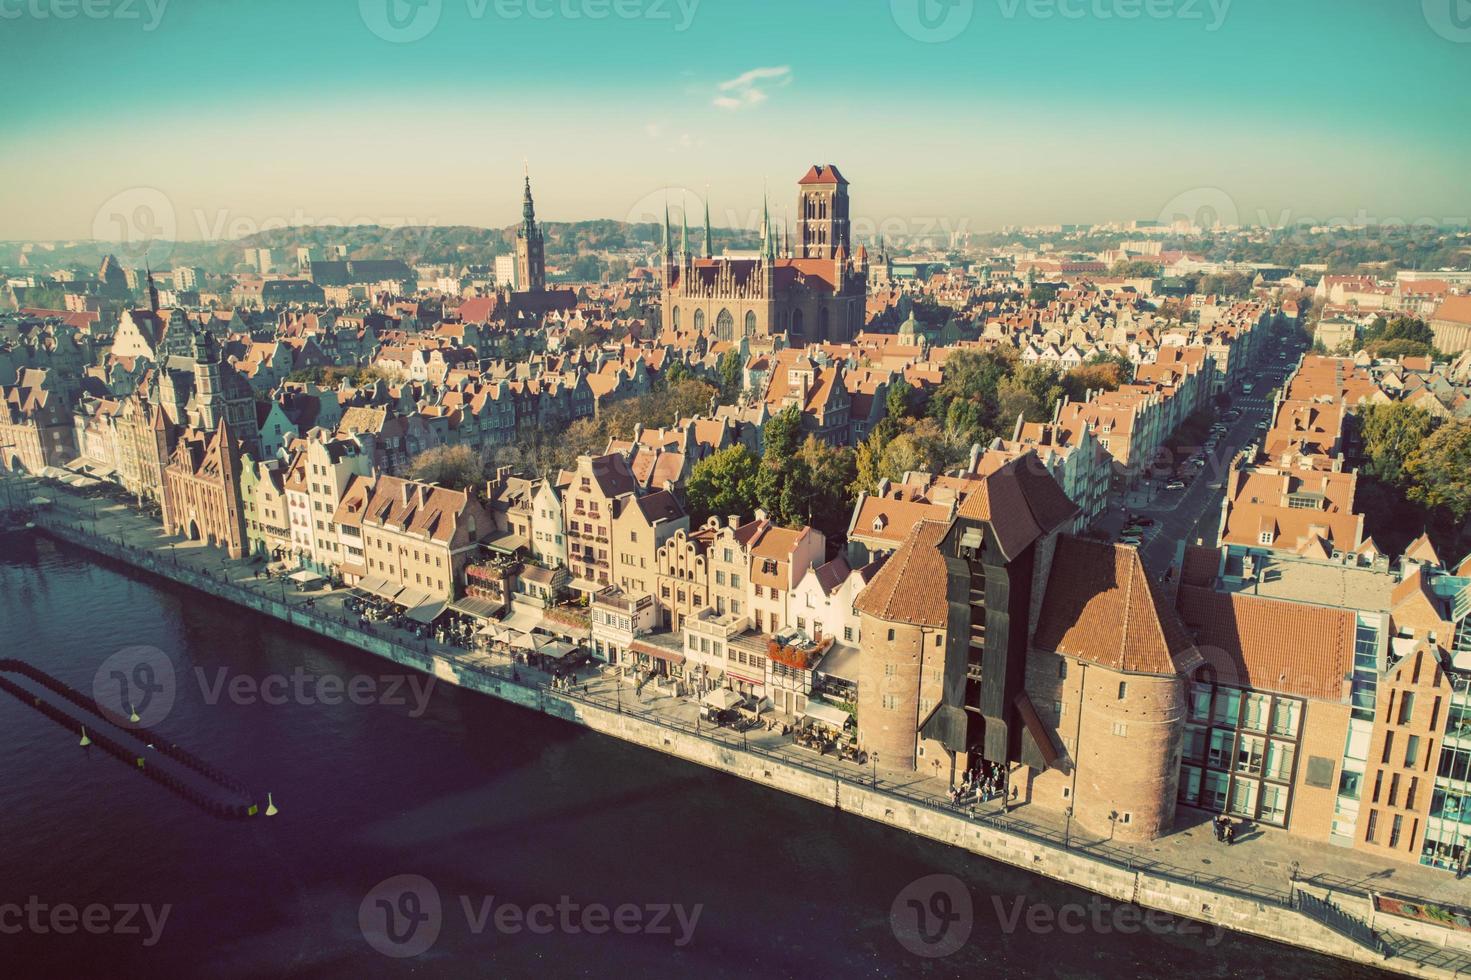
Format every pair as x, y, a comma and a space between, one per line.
531, 275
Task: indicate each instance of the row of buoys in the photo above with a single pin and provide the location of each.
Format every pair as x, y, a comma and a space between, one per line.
116, 749
90, 705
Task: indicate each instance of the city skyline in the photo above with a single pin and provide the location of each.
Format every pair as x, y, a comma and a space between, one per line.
395, 128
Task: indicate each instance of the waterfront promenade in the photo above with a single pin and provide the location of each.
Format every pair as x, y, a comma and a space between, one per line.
1257, 871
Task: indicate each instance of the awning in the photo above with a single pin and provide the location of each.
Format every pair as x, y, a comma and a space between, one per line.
302, 577
427, 612
40, 501
557, 649
477, 607
655, 650
522, 620
829, 714
412, 596
507, 543
722, 698
524, 641
376, 585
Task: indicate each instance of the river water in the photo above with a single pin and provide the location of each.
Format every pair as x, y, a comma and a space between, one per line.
548, 850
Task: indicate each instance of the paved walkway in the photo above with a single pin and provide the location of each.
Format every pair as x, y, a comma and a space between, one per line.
1261, 864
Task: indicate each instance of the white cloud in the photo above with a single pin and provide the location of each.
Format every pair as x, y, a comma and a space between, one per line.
751, 88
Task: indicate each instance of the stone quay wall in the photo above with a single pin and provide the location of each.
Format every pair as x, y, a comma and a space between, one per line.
994, 837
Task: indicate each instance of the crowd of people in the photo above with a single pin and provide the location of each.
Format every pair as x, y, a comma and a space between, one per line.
982, 782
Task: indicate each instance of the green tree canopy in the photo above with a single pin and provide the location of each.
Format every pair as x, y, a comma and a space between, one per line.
455, 467
1439, 471
723, 483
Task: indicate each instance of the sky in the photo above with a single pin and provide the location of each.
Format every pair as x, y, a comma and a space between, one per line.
207, 119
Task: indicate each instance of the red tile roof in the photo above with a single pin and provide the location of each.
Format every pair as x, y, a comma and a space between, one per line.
913, 585
1272, 645
1101, 606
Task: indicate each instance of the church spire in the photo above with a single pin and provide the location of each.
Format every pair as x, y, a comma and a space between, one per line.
709, 247
668, 245
528, 210
768, 249
152, 291
684, 233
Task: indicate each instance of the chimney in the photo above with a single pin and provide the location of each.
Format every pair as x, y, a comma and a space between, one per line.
734, 520
405, 491
975, 457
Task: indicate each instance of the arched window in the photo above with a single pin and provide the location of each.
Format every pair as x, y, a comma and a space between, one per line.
822, 325
724, 325
750, 323
699, 321
797, 322
675, 316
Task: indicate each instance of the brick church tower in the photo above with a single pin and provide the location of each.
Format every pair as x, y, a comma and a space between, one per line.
822, 214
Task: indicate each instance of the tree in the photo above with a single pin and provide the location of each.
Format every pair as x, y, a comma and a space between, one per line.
818, 487
723, 483
731, 375
1439, 471
783, 434
455, 467
1102, 373
967, 402
1391, 433
1135, 269
586, 268
899, 402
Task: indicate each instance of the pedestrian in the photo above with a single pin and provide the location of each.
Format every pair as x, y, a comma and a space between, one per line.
1216, 827
1230, 832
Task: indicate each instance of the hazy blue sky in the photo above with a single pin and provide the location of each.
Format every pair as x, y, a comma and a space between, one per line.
211, 117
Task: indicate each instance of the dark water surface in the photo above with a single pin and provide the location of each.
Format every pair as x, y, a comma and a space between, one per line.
481, 799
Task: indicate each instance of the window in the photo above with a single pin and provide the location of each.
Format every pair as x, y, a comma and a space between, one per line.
1249, 753
1119, 728
1123, 689
1284, 717
1200, 703
848, 634
1412, 750
889, 669
1388, 748
1061, 668
891, 636
1228, 703
1406, 709
1220, 748
1274, 804
1254, 712
1279, 761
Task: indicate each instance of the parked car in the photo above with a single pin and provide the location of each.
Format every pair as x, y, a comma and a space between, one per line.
1175, 485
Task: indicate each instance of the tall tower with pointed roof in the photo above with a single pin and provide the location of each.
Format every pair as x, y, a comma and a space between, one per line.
531, 272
